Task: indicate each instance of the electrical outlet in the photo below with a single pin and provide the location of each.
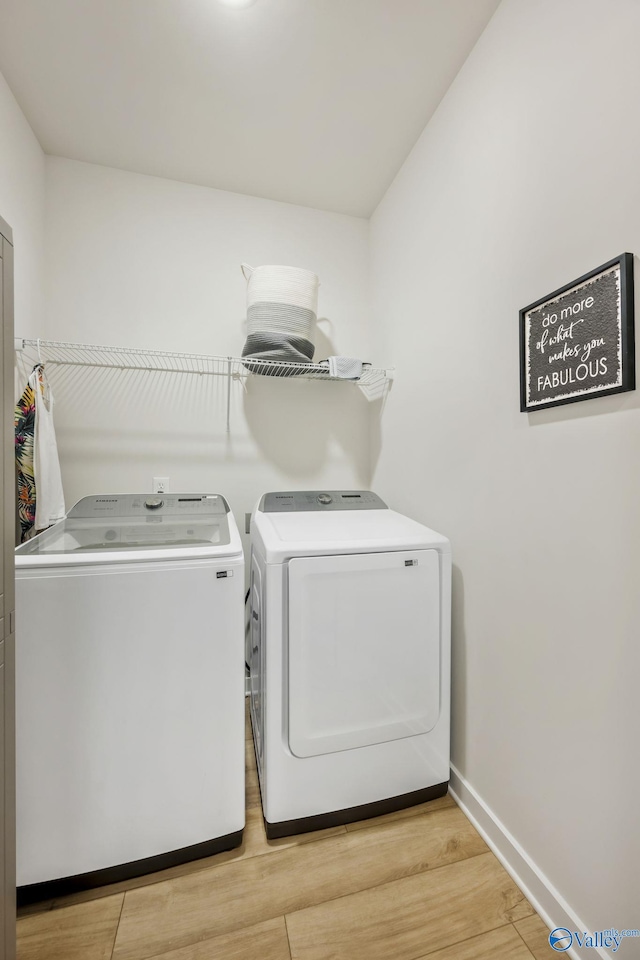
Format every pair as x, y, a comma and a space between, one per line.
161, 484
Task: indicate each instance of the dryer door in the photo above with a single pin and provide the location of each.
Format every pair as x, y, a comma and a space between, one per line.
364, 649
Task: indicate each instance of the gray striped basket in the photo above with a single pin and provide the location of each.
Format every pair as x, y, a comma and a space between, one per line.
282, 305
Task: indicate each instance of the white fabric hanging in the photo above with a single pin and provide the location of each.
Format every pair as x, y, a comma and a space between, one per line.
46, 464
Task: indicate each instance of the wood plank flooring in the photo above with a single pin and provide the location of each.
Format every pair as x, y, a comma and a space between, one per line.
410, 885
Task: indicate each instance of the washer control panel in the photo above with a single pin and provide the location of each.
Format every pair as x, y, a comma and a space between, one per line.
125, 505
297, 501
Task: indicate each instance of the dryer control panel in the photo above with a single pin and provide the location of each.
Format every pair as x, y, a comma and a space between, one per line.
296, 501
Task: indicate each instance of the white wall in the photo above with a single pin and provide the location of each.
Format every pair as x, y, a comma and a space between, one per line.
141, 261
527, 177
22, 206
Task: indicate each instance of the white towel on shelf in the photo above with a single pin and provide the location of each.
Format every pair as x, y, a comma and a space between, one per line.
347, 368
46, 465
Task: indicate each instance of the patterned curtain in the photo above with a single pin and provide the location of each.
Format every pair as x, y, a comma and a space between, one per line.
25, 422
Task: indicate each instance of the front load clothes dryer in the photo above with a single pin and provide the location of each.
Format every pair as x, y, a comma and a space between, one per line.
129, 690
350, 659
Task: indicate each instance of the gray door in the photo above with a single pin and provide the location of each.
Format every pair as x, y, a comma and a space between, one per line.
7, 641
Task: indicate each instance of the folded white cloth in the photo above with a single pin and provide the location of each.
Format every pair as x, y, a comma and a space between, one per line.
46, 465
347, 368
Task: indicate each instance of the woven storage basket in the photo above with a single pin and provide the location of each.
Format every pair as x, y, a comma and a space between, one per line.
282, 304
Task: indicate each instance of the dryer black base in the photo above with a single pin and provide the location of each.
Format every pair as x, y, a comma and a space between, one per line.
47, 890
365, 811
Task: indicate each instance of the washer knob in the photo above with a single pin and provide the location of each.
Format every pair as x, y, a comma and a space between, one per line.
153, 503
325, 498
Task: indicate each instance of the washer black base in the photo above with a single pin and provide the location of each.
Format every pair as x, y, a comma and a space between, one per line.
33, 892
365, 811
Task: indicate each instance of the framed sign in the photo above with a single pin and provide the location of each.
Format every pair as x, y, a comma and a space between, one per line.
578, 342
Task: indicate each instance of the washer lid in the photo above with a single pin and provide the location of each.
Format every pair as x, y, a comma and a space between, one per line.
126, 528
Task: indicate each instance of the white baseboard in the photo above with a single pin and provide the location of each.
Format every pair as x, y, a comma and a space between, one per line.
543, 896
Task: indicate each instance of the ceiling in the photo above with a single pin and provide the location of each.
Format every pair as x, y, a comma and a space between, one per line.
315, 102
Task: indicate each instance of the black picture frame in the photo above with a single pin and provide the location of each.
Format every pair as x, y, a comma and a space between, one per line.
562, 361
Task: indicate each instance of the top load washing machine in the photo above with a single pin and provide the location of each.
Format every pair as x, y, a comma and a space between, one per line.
129, 690
350, 659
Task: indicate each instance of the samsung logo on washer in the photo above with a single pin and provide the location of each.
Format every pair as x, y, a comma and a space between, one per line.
113, 500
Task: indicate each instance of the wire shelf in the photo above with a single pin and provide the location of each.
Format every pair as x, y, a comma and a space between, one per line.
135, 358
373, 383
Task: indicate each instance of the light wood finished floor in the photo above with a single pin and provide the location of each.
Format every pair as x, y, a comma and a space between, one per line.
415, 884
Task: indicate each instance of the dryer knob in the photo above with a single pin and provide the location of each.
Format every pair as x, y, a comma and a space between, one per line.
153, 504
325, 498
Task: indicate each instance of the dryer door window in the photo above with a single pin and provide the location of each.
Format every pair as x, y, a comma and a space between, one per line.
363, 649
